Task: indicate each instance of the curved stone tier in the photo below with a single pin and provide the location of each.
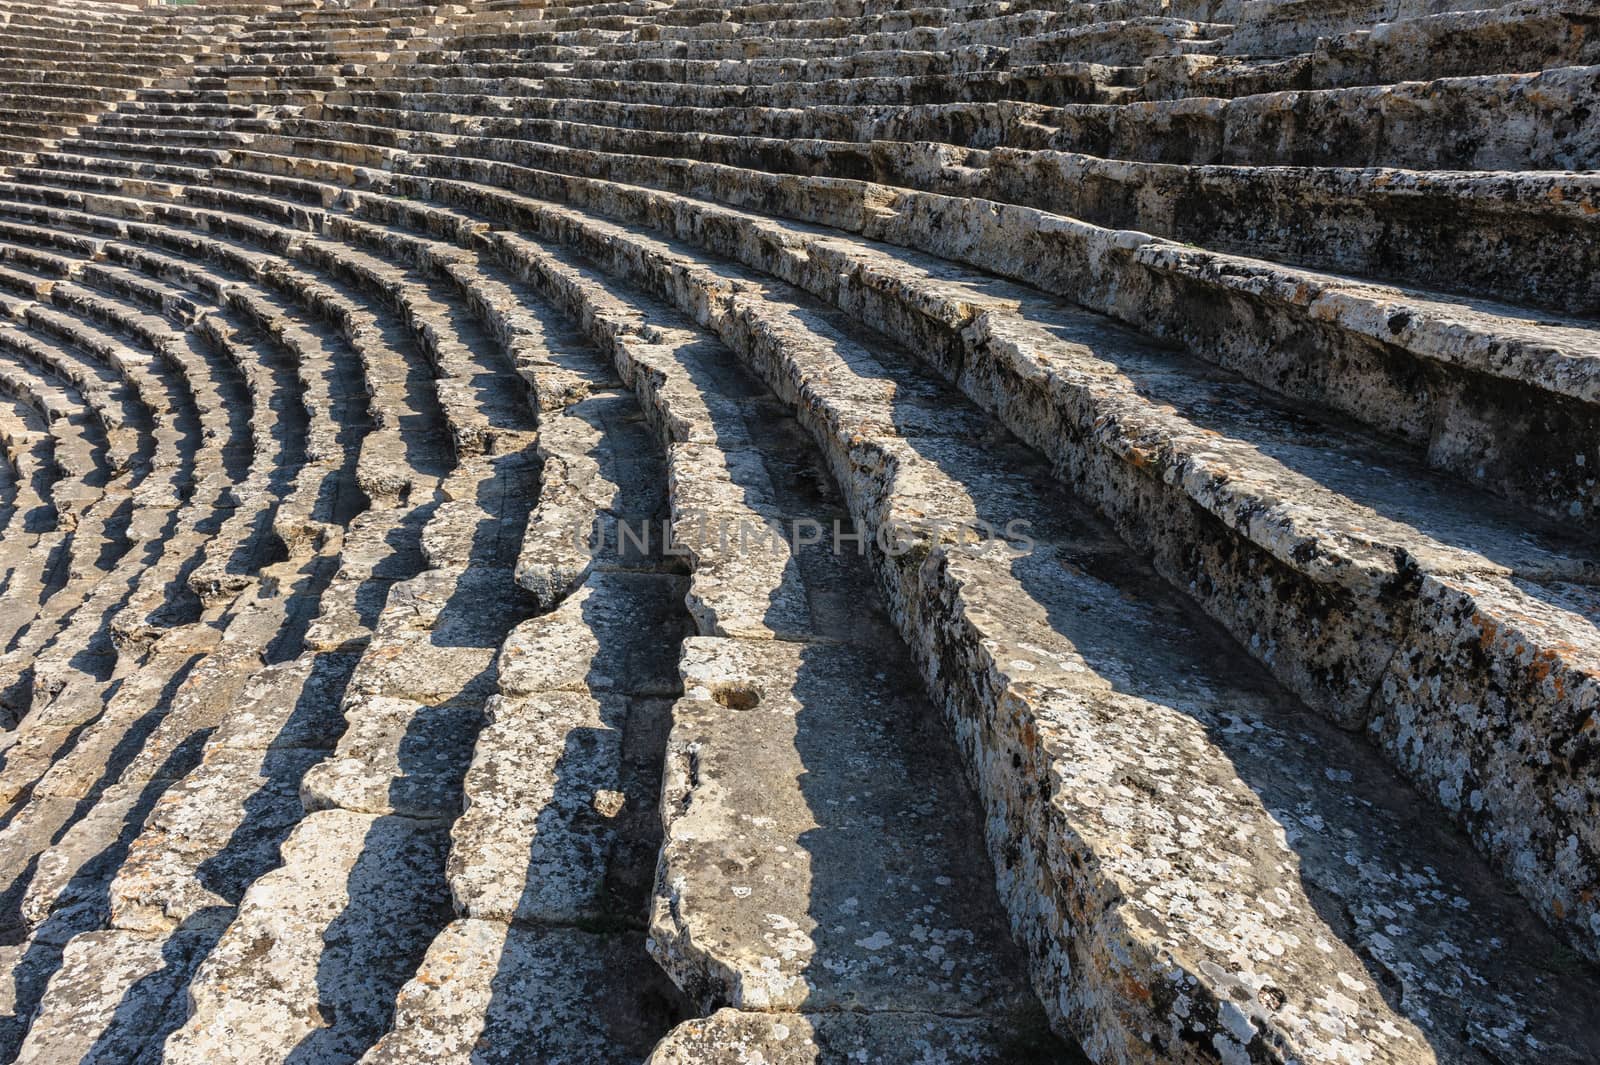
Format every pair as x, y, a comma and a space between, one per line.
804, 531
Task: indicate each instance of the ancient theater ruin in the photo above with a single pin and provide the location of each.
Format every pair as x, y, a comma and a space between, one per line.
800, 532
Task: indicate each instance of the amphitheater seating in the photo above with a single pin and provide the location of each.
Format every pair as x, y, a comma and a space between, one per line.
800, 531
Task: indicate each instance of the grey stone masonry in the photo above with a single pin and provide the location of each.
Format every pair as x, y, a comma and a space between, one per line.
800, 532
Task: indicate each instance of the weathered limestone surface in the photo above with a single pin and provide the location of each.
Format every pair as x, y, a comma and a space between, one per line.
908, 1038
924, 482
341, 917
784, 760
471, 998
809, 531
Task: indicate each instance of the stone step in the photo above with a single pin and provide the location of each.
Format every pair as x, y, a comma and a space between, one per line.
385, 798
459, 380
66, 417
152, 150
248, 122
1415, 125
94, 171
534, 860
478, 392
69, 839
208, 398
48, 76
1559, 626
1366, 324
296, 734
84, 650
978, 125
130, 56
258, 994
1127, 42
22, 444
139, 136
223, 94
492, 992
989, 573
769, 62
1524, 35
1413, 226
328, 394
156, 112
61, 118
395, 373
775, 843
732, 1037
236, 542
59, 97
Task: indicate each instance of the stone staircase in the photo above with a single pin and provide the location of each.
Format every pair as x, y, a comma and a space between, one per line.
808, 531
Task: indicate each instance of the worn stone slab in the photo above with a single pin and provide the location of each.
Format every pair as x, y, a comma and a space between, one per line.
320, 946
618, 632
818, 850
293, 704
346, 614
601, 475
24, 971
747, 577
1493, 708
210, 837
450, 604
373, 546
731, 1037
436, 637
397, 756
66, 891
490, 994
741, 545
115, 997
543, 795
1265, 868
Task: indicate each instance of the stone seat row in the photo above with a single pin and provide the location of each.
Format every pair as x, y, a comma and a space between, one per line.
341, 154
1166, 53
440, 801
1412, 125
291, 852
397, 210
52, 910
1350, 220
